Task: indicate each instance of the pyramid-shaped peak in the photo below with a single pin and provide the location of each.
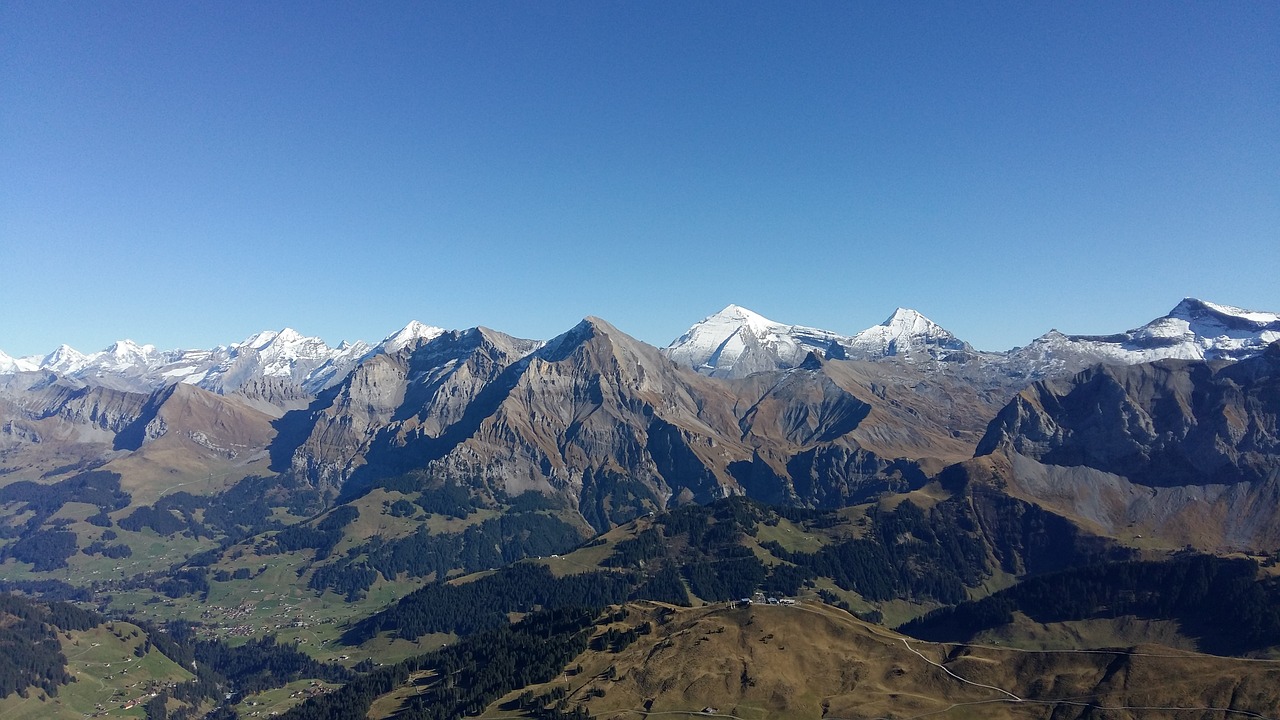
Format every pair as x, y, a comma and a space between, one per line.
737, 311
908, 318
63, 353
590, 331
602, 325
738, 315
289, 335
811, 362
906, 331
409, 334
563, 345
736, 342
732, 320
905, 322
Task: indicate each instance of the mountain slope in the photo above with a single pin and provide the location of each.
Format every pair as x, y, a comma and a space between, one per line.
1193, 330
1183, 451
811, 660
618, 430
592, 408
408, 394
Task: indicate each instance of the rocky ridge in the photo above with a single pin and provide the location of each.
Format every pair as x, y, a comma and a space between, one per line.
617, 427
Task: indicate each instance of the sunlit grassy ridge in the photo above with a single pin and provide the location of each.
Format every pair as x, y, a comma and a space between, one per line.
109, 675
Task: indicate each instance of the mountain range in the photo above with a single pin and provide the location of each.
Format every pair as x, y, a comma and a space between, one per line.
590, 408
1022, 497
731, 343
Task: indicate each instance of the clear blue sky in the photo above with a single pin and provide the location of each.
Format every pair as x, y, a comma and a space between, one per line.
186, 174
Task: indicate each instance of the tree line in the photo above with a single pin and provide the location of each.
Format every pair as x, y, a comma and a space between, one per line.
1220, 601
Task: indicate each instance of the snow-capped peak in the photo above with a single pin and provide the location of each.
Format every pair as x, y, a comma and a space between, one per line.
904, 332
10, 365
910, 321
126, 353
1200, 329
743, 316
65, 359
1193, 330
257, 341
1192, 309
290, 336
408, 335
736, 341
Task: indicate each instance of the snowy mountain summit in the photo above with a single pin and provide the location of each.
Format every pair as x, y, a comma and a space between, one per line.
736, 342
271, 361
410, 334
906, 333
1193, 330
285, 367
1219, 331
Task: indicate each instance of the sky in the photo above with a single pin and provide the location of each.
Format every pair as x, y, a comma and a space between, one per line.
187, 174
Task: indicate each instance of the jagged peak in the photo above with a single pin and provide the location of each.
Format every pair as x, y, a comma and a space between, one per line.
268, 340
811, 362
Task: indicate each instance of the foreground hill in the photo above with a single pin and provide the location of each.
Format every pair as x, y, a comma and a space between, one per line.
806, 660
811, 660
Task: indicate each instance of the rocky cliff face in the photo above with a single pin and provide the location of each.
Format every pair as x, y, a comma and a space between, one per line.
1186, 451
47, 423
1158, 424
51, 427
393, 403
592, 409
617, 429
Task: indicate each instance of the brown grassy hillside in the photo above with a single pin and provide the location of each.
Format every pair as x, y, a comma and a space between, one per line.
813, 661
